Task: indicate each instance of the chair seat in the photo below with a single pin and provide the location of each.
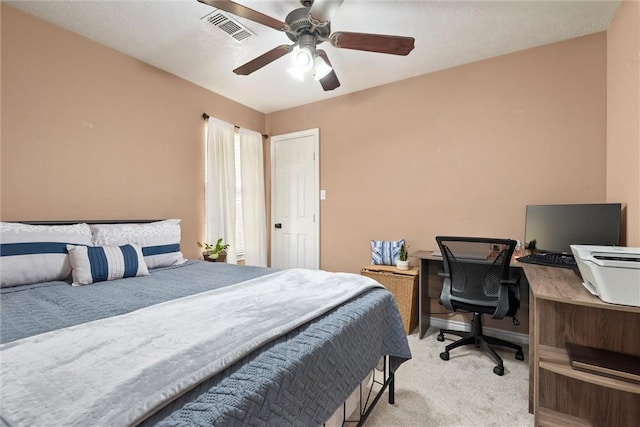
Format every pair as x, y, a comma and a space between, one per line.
473, 307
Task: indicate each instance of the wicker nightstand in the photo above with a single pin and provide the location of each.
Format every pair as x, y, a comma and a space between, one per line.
403, 284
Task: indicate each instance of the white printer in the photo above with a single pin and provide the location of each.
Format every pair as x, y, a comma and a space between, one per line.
610, 272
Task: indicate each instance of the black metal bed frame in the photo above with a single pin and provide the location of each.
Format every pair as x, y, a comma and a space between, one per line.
364, 409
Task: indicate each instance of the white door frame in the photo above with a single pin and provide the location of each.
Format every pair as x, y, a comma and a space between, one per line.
315, 134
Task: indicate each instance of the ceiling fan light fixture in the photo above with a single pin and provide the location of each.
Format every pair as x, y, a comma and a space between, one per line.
320, 68
303, 59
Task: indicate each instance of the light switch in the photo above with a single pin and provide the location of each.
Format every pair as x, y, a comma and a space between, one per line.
323, 194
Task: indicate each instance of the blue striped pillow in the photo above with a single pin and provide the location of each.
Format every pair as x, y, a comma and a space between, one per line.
385, 252
91, 264
37, 253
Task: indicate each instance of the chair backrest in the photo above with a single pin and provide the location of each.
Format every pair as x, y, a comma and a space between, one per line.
476, 274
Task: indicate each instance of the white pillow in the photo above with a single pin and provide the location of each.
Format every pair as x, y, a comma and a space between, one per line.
37, 253
100, 263
160, 240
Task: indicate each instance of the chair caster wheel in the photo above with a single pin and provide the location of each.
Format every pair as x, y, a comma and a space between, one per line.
519, 355
444, 355
440, 337
498, 370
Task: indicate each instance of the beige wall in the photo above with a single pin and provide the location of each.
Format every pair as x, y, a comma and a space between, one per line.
90, 133
623, 115
461, 151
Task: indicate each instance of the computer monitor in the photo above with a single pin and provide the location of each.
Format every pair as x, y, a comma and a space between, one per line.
553, 228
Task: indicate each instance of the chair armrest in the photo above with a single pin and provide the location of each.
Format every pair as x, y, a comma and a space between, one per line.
445, 293
504, 300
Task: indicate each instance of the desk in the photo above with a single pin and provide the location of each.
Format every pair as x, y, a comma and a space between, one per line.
430, 287
561, 311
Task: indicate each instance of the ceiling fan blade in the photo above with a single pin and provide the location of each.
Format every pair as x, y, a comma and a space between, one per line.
262, 60
245, 12
330, 81
395, 45
322, 10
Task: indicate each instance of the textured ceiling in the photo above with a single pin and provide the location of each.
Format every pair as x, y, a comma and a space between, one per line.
170, 35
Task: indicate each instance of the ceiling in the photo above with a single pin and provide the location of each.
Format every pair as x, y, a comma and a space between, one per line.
171, 36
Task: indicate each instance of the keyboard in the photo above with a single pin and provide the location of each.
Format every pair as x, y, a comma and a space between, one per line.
550, 260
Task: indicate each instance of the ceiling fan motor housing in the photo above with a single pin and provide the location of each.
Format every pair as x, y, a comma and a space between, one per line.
299, 24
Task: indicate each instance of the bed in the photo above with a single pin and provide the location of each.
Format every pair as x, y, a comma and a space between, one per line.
111, 353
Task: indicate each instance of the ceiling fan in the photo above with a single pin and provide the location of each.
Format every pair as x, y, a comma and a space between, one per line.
307, 27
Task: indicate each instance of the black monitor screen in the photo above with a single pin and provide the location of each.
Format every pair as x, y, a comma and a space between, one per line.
552, 228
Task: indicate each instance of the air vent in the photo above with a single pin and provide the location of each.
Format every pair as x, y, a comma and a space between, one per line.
221, 20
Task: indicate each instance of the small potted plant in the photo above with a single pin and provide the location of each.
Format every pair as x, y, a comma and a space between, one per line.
403, 259
217, 252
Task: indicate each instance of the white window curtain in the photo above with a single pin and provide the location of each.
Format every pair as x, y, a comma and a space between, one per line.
220, 188
253, 200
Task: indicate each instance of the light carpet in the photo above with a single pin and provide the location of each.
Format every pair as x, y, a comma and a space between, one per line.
462, 391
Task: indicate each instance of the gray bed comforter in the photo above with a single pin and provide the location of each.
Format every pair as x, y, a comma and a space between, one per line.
298, 379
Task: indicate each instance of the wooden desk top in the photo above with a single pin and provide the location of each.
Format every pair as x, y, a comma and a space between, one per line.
565, 285
428, 255
425, 255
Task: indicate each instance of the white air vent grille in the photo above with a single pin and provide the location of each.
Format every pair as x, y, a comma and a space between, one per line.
227, 24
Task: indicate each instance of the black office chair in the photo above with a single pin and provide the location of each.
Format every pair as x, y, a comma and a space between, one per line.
477, 279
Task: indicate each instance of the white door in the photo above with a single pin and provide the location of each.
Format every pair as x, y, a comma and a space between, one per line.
295, 209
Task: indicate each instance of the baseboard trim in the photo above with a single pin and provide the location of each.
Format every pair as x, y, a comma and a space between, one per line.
515, 337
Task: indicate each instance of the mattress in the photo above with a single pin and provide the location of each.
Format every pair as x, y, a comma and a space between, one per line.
299, 378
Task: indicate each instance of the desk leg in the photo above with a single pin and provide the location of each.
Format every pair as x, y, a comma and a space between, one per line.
534, 357
423, 303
